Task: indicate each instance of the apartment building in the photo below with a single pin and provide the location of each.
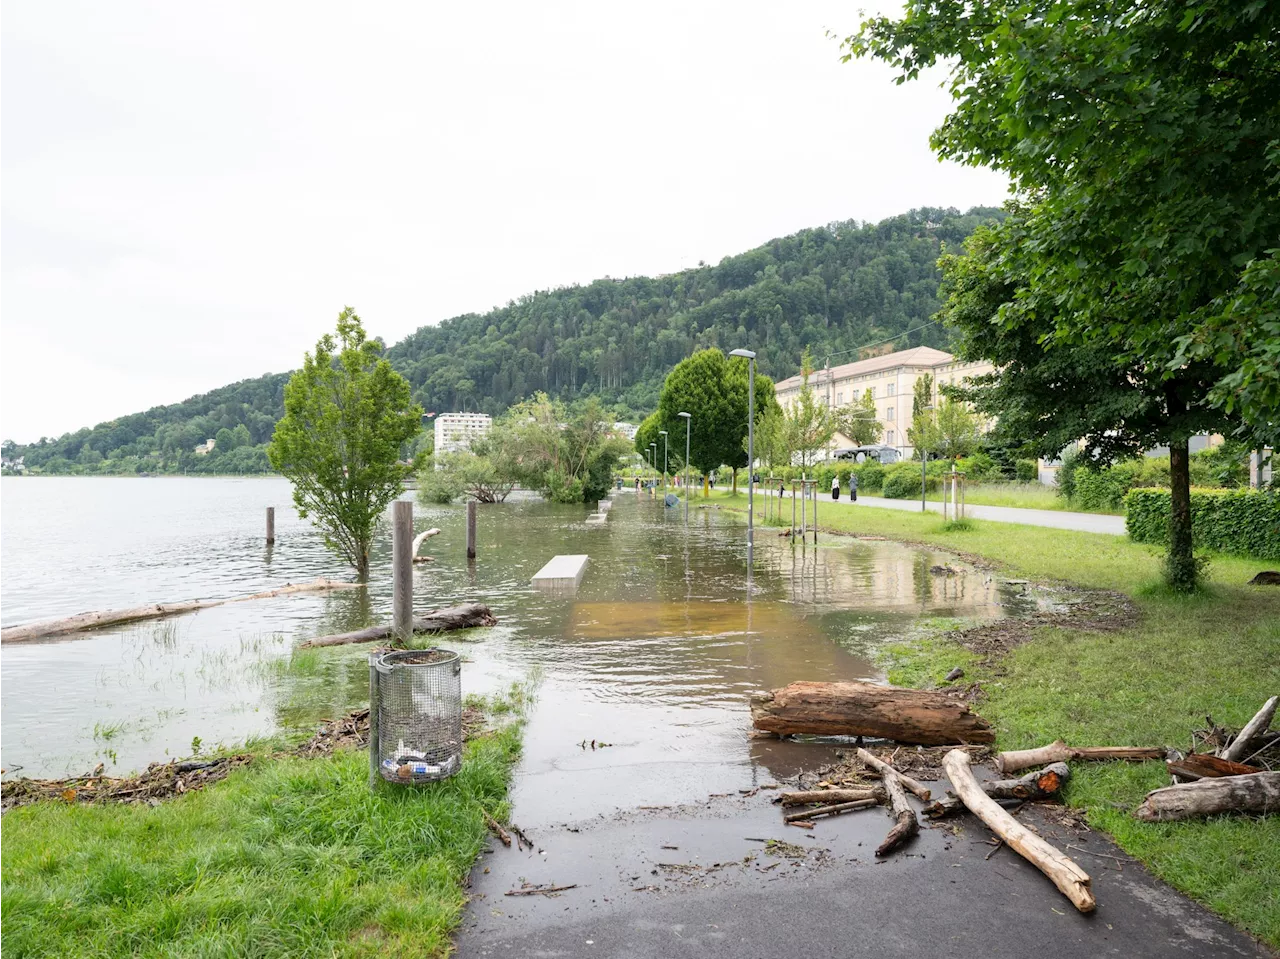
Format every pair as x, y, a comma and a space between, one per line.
456, 431
891, 378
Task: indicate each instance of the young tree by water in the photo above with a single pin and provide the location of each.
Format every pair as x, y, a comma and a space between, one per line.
346, 414
859, 422
809, 425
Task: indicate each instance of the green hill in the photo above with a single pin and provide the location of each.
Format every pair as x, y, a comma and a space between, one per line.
832, 288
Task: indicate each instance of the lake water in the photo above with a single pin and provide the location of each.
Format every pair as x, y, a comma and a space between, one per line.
656, 654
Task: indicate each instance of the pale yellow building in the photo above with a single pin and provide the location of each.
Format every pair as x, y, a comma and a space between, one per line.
891, 378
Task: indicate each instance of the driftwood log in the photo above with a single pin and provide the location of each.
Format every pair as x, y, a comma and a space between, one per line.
864, 709
886, 771
1060, 752
1072, 881
1206, 766
906, 824
117, 617
808, 796
1238, 749
836, 810
466, 616
1041, 784
1254, 793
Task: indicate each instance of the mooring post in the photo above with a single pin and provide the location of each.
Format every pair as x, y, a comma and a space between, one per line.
471, 529
804, 493
271, 525
793, 509
815, 512
402, 568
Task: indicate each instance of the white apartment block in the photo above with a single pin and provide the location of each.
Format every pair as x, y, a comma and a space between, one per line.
891, 378
456, 431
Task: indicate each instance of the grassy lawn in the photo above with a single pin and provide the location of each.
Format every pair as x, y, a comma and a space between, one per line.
287, 857
1215, 654
1017, 495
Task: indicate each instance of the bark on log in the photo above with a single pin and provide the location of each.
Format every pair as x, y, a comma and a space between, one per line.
1206, 766
1071, 880
835, 810
118, 617
888, 772
1060, 752
1041, 784
1254, 793
466, 616
907, 825
1239, 747
805, 797
863, 709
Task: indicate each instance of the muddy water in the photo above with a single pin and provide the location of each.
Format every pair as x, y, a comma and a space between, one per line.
655, 654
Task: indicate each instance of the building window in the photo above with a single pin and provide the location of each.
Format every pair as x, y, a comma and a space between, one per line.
888, 437
839, 399
873, 392
889, 414
888, 390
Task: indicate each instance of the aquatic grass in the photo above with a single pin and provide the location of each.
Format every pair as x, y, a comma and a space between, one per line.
287, 857
1151, 683
105, 732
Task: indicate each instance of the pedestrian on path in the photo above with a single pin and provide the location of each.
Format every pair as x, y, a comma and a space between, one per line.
835, 487
853, 487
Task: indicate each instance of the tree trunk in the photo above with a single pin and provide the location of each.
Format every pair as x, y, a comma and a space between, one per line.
906, 825
1255, 793
1181, 572
1205, 766
864, 709
1042, 784
466, 616
735, 481
1072, 881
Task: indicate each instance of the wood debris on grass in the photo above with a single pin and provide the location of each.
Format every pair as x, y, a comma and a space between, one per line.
160, 781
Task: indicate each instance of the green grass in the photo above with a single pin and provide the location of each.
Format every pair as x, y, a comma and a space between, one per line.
1151, 684
287, 857
1017, 495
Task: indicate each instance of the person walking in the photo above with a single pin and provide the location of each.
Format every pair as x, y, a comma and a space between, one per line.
853, 487
835, 487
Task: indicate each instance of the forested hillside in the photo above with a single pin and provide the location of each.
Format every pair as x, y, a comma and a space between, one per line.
833, 288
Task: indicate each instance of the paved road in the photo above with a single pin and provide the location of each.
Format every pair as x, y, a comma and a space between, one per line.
1056, 519
700, 882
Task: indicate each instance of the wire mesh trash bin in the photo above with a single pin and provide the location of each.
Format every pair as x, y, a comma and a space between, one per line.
415, 713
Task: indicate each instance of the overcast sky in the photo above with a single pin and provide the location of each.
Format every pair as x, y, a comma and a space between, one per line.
191, 192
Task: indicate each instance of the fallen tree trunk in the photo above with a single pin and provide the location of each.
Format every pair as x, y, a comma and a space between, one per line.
1239, 747
906, 826
1072, 881
1041, 784
1255, 793
118, 617
835, 810
888, 772
863, 709
466, 616
1205, 766
1060, 752
805, 797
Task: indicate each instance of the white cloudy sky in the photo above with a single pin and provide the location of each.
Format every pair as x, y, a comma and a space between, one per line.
192, 191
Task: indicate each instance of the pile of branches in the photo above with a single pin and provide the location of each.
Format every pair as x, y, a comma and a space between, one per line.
160, 781
352, 732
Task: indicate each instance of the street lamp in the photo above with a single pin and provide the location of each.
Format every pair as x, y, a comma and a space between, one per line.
663, 434
924, 462
751, 447
653, 458
688, 423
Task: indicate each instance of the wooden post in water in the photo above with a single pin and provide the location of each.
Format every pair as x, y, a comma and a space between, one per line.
815, 512
402, 568
471, 529
271, 525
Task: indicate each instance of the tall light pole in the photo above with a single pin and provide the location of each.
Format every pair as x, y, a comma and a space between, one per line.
663, 434
751, 448
924, 463
688, 424
654, 460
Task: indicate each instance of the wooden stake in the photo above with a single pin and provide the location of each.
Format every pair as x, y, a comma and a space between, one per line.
271, 525
402, 569
1072, 881
471, 529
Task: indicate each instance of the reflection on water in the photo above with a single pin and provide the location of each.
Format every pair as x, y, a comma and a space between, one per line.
655, 653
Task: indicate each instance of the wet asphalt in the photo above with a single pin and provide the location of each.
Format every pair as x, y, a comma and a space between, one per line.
704, 881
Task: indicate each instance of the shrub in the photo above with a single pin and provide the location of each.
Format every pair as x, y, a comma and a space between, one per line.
438, 486
870, 476
1026, 471
1230, 521
902, 481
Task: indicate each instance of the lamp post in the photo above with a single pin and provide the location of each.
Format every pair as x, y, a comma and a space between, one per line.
751, 447
653, 458
688, 423
663, 434
924, 462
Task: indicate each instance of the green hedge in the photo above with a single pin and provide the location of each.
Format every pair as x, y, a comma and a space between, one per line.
1228, 520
